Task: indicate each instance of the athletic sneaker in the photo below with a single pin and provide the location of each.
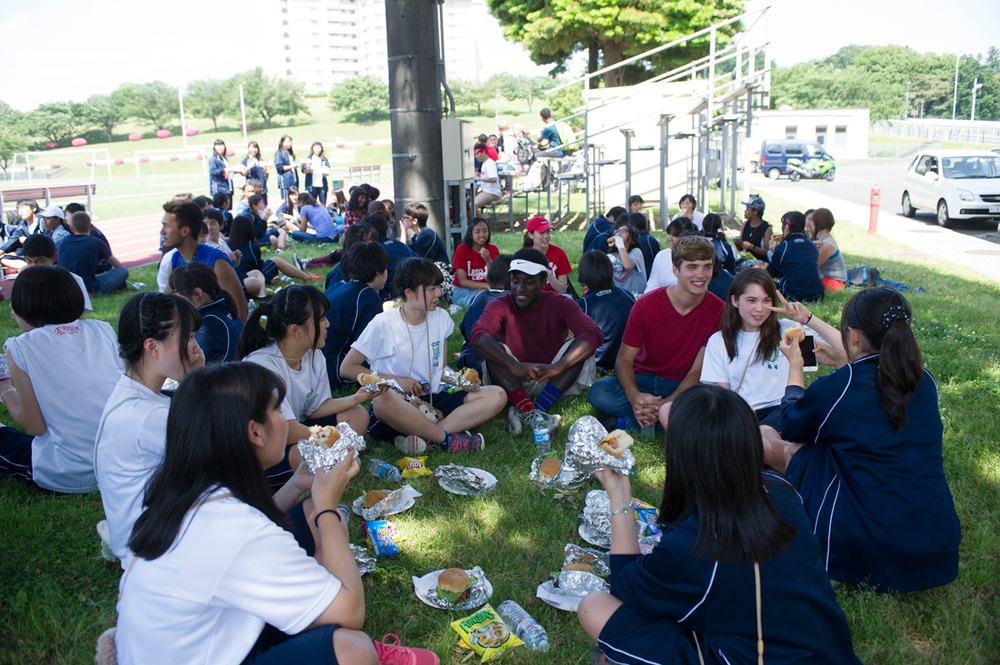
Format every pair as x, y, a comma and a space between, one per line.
312, 278
514, 425
463, 442
300, 263
409, 445
393, 653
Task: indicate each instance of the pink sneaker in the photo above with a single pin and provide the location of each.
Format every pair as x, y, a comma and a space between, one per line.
463, 442
393, 653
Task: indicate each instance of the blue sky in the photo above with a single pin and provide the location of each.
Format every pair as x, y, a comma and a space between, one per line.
67, 49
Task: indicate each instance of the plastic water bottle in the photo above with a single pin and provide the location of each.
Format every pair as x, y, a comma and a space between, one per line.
524, 626
540, 428
381, 469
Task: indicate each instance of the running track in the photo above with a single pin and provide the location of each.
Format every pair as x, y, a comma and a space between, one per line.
135, 240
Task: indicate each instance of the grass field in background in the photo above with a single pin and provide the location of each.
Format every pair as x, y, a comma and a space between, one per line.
57, 595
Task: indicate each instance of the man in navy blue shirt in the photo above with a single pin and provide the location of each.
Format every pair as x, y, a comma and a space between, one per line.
181, 225
398, 252
81, 252
426, 242
354, 303
607, 304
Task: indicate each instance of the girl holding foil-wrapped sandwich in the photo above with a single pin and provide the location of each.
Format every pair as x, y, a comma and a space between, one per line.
736, 573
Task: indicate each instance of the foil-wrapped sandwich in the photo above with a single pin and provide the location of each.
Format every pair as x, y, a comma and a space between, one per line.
591, 447
327, 446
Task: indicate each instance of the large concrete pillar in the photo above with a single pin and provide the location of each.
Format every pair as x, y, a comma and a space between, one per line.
415, 107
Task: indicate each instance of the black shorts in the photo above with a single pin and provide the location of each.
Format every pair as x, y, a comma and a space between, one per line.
630, 639
443, 400
15, 455
274, 647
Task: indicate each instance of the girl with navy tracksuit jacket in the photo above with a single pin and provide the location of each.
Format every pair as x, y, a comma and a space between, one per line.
220, 180
285, 166
737, 571
867, 458
220, 325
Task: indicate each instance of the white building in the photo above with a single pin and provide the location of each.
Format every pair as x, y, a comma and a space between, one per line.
327, 41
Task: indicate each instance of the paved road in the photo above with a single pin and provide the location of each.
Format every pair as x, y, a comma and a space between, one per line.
969, 244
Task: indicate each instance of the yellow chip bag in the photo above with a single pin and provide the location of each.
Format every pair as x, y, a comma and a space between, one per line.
413, 467
485, 633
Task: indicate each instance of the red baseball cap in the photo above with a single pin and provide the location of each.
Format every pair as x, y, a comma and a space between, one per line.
538, 224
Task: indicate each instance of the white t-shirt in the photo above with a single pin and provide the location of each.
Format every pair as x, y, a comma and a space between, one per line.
163, 272
395, 347
73, 368
489, 170
207, 598
662, 272
305, 389
764, 383
87, 305
129, 449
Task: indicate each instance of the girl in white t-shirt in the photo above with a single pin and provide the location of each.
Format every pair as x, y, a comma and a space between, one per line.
744, 355
289, 345
410, 344
156, 341
197, 589
61, 371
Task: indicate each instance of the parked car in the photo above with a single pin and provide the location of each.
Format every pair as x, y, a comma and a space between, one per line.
774, 156
954, 184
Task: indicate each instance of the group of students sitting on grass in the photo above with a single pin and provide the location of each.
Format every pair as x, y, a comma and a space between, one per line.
203, 486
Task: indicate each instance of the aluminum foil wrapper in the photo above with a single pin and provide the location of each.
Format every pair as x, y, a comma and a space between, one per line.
455, 377
579, 583
377, 386
536, 476
383, 507
584, 458
321, 457
576, 554
597, 512
478, 593
461, 475
364, 559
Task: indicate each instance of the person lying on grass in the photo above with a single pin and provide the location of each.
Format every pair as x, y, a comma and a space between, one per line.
210, 521
410, 344
867, 453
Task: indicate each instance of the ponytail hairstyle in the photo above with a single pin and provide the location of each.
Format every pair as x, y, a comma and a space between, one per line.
155, 316
711, 227
883, 316
293, 305
715, 462
241, 232
186, 278
209, 448
732, 322
416, 272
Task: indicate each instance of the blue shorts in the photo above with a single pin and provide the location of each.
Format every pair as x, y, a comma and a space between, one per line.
629, 639
443, 400
274, 647
15, 455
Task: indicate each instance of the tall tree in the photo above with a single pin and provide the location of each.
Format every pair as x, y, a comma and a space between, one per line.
365, 98
472, 93
105, 111
210, 98
512, 87
268, 97
553, 30
155, 102
58, 122
13, 137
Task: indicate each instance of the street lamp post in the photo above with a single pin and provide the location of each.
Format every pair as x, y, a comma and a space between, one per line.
975, 89
954, 99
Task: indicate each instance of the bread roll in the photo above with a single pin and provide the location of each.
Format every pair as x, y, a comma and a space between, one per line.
324, 436
615, 443
585, 567
368, 379
550, 468
470, 375
374, 496
794, 335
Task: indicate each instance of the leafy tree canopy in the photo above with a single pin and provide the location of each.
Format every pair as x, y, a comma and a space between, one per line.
155, 102
210, 98
365, 98
105, 111
57, 122
553, 30
268, 97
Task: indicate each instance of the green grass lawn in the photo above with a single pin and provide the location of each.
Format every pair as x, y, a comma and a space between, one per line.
57, 595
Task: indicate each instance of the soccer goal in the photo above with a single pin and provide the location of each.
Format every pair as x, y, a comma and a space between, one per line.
68, 163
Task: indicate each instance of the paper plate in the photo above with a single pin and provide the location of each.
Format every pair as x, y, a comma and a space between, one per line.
405, 504
551, 595
425, 589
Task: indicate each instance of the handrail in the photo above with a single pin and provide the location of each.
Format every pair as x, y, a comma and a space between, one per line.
657, 49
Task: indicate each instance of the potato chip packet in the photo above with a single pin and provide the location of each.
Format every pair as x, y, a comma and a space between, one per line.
413, 467
485, 633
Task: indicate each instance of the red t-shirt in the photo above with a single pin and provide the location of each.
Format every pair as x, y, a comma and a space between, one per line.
558, 263
536, 335
668, 343
472, 262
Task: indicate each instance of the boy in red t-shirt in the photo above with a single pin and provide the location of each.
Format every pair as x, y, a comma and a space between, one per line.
664, 342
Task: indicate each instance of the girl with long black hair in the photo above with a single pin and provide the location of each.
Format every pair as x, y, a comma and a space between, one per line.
736, 573
867, 454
